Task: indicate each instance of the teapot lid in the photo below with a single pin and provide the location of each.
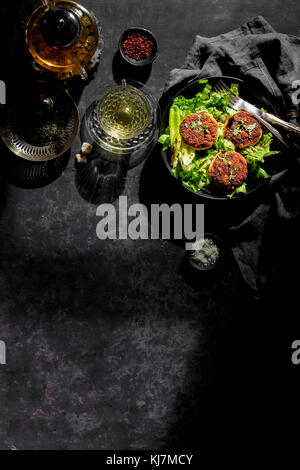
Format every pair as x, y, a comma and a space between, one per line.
60, 27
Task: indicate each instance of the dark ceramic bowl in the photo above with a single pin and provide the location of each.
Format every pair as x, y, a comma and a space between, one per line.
272, 165
211, 267
147, 60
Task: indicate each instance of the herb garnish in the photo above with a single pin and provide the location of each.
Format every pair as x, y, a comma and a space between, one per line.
239, 127
232, 175
223, 159
250, 128
198, 125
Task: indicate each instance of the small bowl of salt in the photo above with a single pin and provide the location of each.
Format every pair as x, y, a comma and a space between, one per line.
206, 253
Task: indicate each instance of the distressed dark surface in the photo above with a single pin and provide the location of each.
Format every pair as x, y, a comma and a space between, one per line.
109, 344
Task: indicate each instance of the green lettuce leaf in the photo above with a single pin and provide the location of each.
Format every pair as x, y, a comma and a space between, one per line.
257, 153
165, 141
239, 189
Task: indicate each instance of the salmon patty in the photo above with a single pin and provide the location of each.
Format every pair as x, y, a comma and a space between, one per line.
228, 170
243, 129
199, 130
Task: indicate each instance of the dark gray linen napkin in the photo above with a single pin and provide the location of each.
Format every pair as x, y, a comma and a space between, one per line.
266, 241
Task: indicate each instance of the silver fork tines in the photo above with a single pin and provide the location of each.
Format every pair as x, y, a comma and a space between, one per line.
234, 101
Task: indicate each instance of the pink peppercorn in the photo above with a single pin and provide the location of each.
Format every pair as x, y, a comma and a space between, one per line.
137, 46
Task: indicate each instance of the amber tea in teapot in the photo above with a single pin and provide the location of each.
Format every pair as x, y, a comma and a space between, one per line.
62, 36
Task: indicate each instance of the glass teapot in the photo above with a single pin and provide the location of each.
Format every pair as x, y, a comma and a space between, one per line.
62, 37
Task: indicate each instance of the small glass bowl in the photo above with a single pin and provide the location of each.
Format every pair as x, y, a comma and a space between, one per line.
210, 267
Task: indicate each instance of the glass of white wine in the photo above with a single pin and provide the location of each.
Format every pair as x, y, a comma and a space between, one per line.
124, 112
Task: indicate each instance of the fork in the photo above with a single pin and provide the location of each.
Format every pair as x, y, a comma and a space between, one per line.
238, 103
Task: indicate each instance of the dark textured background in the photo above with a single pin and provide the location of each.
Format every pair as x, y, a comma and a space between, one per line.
110, 345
